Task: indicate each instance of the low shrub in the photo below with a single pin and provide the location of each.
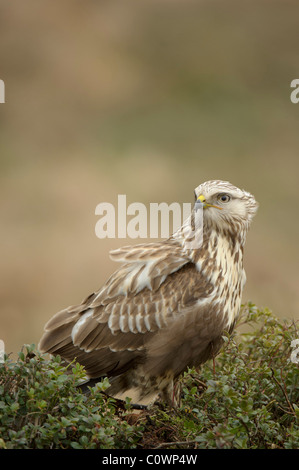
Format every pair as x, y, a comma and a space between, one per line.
247, 397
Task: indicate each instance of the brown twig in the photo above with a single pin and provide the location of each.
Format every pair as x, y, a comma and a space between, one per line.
175, 443
284, 393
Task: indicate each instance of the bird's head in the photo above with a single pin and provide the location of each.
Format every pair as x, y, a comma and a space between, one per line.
225, 204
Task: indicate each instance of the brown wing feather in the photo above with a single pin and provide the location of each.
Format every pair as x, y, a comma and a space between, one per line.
110, 330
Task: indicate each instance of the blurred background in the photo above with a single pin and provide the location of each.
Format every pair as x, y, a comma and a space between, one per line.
147, 99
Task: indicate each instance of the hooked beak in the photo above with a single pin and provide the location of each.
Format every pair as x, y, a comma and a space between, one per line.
201, 199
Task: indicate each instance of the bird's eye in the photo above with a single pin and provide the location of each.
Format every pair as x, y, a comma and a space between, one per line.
223, 197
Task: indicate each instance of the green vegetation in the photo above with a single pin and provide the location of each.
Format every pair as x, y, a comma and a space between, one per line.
247, 398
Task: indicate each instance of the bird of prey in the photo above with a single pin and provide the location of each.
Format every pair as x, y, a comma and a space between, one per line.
166, 308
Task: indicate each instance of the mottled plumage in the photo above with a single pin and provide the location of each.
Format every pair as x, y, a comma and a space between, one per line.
166, 307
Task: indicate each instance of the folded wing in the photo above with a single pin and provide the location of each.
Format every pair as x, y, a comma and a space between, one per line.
109, 331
